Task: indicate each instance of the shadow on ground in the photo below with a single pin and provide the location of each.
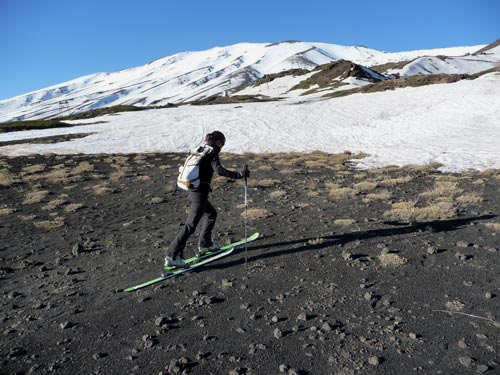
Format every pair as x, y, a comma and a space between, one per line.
342, 239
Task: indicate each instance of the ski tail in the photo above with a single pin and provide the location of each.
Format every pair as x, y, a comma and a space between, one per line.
180, 271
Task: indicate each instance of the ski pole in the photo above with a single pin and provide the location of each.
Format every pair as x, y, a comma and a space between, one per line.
246, 206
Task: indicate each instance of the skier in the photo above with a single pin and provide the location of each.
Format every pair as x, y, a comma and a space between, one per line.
200, 206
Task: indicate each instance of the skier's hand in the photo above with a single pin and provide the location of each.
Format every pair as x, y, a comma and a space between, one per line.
245, 173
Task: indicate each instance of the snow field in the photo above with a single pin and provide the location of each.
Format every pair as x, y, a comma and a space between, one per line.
456, 124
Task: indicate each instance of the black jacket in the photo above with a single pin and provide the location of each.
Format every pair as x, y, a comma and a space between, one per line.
210, 164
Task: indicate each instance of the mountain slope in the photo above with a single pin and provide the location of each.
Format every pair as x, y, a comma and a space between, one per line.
188, 76
340, 74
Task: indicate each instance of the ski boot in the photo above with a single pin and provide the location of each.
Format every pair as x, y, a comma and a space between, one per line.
202, 251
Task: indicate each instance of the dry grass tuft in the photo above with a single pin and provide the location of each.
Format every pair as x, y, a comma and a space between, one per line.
365, 186
446, 177
392, 260
443, 188
288, 171
277, 194
381, 195
329, 185
6, 211
344, 222
7, 178
140, 159
429, 168
242, 205
264, 168
31, 169
315, 159
317, 164
103, 190
267, 182
257, 213
391, 182
81, 168
72, 207
384, 170
360, 176
455, 305
59, 175
436, 211
493, 226
50, 224
471, 198
479, 181
53, 204
312, 194
312, 188
401, 208
409, 211
35, 196
316, 241
119, 173
27, 217
143, 178
170, 188
312, 185
490, 172
342, 193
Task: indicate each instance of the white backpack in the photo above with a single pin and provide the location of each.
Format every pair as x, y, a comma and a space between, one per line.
189, 173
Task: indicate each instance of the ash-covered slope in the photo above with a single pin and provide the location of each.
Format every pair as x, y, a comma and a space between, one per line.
340, 74
189, 76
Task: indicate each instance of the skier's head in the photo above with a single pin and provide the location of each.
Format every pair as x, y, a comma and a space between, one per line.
216, 138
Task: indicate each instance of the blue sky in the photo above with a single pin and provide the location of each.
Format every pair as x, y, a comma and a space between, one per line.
43, 43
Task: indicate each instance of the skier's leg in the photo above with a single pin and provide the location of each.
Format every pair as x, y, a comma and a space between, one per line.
210, 214
196, 210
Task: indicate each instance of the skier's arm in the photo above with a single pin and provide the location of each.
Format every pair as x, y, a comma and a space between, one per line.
221, 171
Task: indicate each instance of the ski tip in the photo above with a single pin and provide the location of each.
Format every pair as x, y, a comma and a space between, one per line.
254, 236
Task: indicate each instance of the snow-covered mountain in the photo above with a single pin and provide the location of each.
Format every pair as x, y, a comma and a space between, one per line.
189, 76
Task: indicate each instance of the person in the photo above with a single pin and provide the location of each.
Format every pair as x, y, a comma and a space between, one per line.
199, 204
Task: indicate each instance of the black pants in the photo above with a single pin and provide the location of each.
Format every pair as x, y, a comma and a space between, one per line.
200, 206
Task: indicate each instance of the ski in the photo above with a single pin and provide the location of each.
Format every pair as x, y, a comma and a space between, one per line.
180, 271
253, 237
196, 262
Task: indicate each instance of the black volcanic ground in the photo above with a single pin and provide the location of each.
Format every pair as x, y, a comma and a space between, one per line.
376, 293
